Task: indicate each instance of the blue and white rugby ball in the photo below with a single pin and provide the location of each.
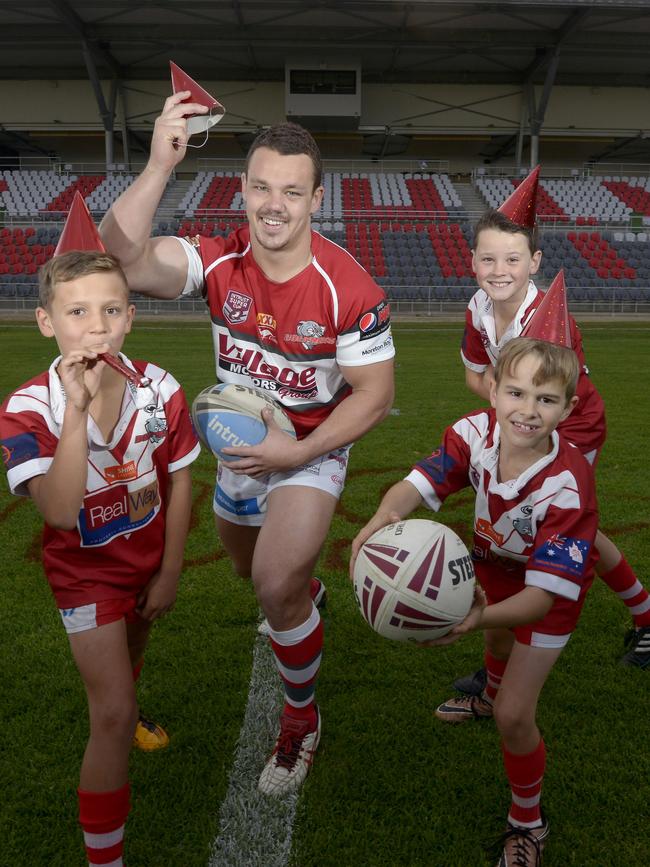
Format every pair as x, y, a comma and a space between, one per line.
227, 415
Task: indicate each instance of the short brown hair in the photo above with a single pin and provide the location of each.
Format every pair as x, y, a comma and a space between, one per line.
289, 139
71, 266
493, 219
555, 362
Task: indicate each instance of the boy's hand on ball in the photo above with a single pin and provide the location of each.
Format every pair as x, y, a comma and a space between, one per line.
379, 520
469, 624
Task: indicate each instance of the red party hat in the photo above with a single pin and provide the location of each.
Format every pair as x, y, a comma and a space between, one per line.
551, 319
521, 205
198, 122
80, 231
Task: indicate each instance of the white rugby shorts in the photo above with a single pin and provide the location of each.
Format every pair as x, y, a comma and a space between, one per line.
242, 500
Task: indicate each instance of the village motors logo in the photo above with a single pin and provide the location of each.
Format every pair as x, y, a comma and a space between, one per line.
236, 307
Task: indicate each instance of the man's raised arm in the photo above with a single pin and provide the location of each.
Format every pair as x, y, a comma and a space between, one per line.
153, 266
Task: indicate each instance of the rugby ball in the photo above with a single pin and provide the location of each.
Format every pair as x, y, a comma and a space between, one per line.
227, 415
413, 581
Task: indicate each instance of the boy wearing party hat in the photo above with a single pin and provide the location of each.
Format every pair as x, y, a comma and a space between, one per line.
505, 258
535, 522
103, 447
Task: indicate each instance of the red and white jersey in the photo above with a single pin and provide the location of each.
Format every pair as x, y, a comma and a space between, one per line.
585, 427
118, 543
540, 527
290, 338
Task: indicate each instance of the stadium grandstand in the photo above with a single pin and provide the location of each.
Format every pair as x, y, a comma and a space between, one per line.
415, 148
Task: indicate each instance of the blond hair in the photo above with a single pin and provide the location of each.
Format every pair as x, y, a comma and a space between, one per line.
71, 266
555, 362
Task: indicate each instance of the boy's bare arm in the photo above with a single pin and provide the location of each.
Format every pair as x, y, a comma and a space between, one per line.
59, 493
160, 593
479, 383
528, 606
398, 502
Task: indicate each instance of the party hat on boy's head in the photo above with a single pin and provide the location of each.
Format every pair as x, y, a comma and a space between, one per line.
521, 205
197, 122
80, 231
551, 319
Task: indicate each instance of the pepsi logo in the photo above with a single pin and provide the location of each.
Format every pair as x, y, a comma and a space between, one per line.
367, 322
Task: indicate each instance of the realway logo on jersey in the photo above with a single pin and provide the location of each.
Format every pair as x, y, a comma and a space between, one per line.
116, 511
250, 362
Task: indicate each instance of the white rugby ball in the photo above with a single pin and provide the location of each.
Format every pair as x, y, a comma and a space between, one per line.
414, 580
228, 414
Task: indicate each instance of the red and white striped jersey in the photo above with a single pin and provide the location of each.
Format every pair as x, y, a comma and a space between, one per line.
290, 338
118, 543
540, 527
585, 427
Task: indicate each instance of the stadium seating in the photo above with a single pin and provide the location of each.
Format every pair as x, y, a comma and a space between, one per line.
32, 193
583, 202
409, 230
375, 195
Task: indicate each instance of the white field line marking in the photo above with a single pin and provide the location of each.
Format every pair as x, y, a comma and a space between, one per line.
254, 829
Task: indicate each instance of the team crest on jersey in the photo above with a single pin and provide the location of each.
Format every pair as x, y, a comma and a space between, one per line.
155, 427
524, 526
236, 307
266, 326
311, 330
309, 333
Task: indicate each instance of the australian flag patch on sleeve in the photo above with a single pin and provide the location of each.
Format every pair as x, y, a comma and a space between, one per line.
563, 555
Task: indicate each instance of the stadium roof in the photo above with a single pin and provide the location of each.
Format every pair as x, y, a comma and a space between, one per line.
601, 42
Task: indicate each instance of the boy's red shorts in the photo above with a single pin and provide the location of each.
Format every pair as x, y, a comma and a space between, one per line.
99, 614
554, 629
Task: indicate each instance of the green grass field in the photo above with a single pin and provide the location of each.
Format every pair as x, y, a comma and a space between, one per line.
391, 785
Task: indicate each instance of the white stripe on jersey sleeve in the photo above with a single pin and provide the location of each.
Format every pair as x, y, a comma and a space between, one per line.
477, 368
18, 477
425, 489
552, 583
335, 298
194, 282
185, 460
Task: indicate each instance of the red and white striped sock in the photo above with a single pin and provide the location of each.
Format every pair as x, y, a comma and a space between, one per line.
298, 654
525, 774
622, 580
102, 816
494, 668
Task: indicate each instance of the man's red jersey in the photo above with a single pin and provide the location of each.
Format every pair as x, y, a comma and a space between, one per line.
291, 338
585, 427
118, 543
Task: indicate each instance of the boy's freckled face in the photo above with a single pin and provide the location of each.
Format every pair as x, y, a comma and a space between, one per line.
528, 413
503, 265
87, 313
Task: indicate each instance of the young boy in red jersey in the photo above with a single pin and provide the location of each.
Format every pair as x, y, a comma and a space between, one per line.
505, 258
108, 466
534, 531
